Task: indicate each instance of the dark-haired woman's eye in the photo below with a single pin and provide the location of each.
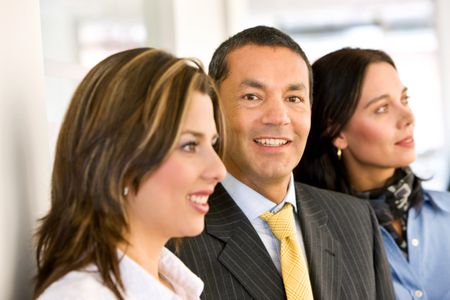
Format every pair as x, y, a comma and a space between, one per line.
381, 109
405, 99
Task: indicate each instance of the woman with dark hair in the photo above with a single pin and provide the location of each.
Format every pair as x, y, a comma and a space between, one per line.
361, 143
135, 162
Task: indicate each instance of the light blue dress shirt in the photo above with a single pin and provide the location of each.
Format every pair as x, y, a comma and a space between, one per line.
426, 276
253, 204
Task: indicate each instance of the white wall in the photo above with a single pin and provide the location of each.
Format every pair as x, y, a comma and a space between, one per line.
24, 169
187, 28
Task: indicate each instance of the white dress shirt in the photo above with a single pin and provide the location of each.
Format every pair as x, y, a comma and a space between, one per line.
139, 284
253, 204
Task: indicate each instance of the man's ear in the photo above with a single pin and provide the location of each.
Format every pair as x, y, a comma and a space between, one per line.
340, 142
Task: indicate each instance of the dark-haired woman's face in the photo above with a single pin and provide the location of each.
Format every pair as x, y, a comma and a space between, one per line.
379, 137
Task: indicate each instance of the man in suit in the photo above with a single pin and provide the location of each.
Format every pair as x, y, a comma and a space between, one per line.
264, 80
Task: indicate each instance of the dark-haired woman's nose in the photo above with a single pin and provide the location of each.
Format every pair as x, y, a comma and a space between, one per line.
406, 117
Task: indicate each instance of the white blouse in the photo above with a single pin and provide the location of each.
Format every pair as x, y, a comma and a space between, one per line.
139, 284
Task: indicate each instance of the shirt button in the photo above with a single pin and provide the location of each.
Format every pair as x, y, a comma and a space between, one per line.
418, 293
415, 242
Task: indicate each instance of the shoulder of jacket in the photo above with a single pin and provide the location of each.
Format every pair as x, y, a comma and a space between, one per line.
332, 197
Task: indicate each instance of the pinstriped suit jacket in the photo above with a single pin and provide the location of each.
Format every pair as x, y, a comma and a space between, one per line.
342, 242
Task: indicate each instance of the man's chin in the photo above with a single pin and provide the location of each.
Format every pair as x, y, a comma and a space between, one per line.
274, 175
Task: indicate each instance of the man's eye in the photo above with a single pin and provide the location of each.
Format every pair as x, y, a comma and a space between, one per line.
295, 99
250, 97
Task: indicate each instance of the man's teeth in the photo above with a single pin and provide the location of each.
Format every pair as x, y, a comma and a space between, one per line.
198, 199
271, 142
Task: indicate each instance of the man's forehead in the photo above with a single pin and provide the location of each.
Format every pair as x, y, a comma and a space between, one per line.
265, 48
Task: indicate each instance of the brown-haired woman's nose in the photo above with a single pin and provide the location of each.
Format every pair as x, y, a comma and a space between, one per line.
215, 170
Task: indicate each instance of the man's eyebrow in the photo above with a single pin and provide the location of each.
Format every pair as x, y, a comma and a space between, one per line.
296, 87
259, 85
252, 83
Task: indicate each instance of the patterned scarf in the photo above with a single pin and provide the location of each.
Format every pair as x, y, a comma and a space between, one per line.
392, 202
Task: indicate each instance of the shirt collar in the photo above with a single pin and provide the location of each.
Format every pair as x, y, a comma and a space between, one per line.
138, 282
440, 200
176, 272
252, 203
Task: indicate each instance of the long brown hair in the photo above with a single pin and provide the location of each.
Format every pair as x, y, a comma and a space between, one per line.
122, 123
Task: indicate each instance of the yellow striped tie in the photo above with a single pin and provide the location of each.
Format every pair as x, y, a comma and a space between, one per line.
293, 265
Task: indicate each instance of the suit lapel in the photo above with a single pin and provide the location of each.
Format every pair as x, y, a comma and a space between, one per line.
322, 250
243, 254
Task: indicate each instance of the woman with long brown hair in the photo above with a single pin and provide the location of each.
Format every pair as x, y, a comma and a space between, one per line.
136, 159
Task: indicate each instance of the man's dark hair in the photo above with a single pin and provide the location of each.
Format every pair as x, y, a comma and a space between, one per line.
260, 36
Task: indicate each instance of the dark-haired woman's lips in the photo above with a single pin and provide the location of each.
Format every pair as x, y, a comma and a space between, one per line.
407, 142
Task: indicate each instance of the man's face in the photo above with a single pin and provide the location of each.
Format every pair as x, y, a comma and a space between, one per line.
268, 113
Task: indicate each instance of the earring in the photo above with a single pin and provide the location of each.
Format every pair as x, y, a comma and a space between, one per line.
125, 191
339, 153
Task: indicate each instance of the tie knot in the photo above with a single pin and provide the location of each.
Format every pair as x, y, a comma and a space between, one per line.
281, 223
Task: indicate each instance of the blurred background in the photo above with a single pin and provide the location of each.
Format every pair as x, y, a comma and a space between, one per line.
49, 45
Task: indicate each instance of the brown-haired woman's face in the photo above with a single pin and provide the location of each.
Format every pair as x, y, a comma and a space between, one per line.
172, 201
379, 136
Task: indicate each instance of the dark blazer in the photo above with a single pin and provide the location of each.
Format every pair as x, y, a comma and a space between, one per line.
342, 242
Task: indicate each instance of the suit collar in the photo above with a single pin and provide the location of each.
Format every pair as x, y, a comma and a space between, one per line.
322, 250
310, 210
243, 254
246, 258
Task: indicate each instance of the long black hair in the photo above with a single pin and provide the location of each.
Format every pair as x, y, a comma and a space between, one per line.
338, 79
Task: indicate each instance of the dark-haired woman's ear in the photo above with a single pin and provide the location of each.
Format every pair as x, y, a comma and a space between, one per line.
340, 142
